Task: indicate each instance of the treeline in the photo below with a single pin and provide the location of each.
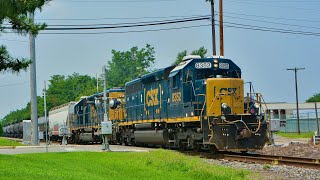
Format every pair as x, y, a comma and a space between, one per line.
124, 66
61, 90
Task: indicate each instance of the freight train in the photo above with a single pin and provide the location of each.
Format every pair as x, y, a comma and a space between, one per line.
197, 104
15, 130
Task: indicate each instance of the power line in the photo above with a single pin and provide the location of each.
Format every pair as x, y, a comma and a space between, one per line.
8, 85
113, 18
257, 28
127, 26
22, 41
227, 25
268, 5
156, 23
133, 31
126, 23
165, 17
270, 17
121, 1
283, 1
275, 29
272, 22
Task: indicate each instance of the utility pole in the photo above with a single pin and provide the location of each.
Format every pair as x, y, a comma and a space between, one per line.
45, 113
97, 83
105, 144
105, 93
33, 88
316, 108
297, 99
221, 29
214, 48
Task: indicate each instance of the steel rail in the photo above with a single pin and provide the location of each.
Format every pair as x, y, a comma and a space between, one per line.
261, 159
280, 160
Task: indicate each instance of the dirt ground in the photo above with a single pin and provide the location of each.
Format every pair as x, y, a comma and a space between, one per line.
293, 147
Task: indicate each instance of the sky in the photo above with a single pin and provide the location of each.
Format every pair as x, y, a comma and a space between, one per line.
263, 56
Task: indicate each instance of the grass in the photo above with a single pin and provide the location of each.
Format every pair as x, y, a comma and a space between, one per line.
295, 135
159, 164
6, 142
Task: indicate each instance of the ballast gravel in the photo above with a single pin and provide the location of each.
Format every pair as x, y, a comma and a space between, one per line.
271, 171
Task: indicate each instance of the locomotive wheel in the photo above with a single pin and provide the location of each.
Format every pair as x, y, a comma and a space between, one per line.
133, 142
182, 146
124, 142
213, 149
77, 139
197, 147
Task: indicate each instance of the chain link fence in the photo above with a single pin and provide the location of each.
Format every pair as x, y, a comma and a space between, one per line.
308, 122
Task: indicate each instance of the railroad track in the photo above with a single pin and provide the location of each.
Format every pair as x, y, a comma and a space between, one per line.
263, 159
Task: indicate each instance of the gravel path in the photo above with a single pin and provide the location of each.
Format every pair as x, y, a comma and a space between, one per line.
271, 171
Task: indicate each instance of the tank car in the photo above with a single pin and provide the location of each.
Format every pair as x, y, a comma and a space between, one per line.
17, 130
198, 104
10, 130
4, 130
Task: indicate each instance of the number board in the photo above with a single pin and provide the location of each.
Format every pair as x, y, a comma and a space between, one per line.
224, 65
203, 65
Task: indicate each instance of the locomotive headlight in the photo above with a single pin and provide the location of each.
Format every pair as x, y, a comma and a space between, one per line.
111, 103
257, 106
224, 105
216, 65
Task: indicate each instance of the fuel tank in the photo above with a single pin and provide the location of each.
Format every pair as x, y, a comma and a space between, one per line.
159, 137
86, 137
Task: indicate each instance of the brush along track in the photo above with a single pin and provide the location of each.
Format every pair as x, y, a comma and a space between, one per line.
262, 159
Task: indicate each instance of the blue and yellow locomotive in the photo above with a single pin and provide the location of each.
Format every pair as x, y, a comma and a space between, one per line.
198, 104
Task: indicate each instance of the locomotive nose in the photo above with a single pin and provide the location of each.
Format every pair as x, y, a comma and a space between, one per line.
224, 96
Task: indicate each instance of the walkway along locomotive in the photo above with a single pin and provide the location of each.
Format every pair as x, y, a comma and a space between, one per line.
197, 104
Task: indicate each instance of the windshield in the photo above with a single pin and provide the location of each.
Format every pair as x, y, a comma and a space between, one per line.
211, 73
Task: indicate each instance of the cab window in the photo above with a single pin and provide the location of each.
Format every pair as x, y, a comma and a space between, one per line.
188, 76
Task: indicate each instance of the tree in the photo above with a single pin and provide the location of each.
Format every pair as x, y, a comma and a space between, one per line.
314, 98
9, 63
1, 130
24, 113
65, 89
15, 12
201, 52
127, 65
61, 90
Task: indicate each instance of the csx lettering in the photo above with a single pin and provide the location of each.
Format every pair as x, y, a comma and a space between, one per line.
152, 97
228, 90
176, 97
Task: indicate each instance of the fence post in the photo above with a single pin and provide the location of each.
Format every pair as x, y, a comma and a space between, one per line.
316, 108
308, 122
